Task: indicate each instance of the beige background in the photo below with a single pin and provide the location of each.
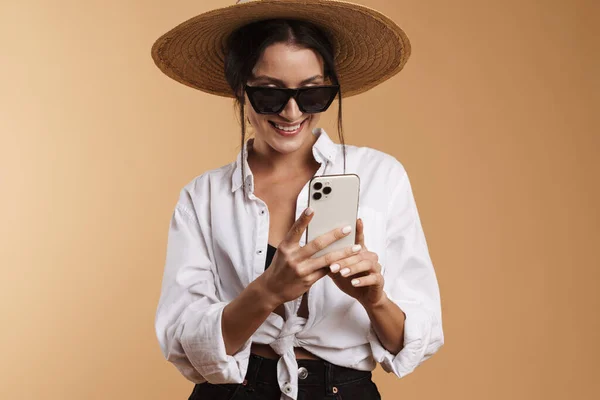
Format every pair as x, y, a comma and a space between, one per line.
495, 118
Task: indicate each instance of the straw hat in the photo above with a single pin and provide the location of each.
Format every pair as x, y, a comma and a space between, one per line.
369, 47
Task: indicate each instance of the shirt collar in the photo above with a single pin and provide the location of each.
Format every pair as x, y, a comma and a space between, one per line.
324, 151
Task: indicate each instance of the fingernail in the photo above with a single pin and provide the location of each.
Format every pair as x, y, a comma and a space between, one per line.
345, 271
334, 267
356, 248
347, 229
355, 282
309, 211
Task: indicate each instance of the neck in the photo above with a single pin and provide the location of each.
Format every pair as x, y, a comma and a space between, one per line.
262, 158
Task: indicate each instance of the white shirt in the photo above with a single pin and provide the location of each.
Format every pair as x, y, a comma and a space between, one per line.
217, 245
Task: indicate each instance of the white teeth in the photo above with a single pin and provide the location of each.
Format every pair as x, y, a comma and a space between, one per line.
288, 128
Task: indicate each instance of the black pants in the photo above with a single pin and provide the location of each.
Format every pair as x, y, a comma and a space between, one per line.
322, 381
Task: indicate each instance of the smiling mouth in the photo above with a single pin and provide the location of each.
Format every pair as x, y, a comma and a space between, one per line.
288, 129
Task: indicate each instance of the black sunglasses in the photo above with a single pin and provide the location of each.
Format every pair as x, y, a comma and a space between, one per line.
310, 99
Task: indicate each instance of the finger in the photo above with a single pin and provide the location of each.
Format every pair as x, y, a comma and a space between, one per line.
345, 262
369, 280
318, 274
295, 233
332, 257
321, 242
378, 268
361, 255
362, 266
360, 233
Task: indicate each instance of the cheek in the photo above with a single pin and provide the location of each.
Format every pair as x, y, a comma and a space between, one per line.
254, 118
314, 119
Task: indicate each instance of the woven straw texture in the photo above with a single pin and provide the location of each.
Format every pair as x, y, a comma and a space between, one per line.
369, 47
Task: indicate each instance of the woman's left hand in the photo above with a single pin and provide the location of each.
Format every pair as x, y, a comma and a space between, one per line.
359, 275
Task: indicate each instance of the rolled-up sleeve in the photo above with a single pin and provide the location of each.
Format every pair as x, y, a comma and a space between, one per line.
410, 282
188, 318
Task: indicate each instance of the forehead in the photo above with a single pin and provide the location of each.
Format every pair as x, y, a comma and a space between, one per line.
288, 63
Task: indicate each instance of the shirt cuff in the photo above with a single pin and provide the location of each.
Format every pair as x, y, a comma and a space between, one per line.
205, 348
422, 338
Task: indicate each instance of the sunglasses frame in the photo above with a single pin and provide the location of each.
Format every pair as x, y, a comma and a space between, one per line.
290, 93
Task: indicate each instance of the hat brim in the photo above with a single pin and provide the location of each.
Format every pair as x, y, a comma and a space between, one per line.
369, 47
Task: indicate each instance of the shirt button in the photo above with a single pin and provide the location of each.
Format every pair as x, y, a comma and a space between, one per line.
302, 373
262, 212
259, 252
287, 388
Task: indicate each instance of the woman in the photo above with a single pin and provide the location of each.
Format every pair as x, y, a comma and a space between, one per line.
245, 310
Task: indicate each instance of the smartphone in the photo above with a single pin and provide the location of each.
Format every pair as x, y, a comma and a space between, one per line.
334, 199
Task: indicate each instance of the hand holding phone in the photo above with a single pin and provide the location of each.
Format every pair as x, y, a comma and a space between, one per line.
295, 269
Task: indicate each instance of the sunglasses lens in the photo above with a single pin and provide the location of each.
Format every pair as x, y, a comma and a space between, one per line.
318, 99
268, 100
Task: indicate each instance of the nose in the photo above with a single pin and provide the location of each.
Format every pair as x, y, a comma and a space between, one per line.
291, 111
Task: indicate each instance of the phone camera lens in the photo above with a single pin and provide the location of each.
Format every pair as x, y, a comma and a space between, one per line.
327, 190
317, 196
318, 186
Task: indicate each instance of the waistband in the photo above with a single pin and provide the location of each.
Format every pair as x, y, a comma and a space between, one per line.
310, 372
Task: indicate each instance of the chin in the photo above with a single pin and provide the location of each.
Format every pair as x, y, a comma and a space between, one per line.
288, 145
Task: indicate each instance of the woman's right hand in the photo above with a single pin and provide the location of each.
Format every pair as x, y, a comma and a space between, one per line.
293, 270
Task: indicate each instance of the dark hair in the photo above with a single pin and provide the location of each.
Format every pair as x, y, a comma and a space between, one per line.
246, 45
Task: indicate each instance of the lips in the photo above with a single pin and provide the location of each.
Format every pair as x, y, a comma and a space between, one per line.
288, 130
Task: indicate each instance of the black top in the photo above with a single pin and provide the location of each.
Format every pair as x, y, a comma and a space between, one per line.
270, 254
